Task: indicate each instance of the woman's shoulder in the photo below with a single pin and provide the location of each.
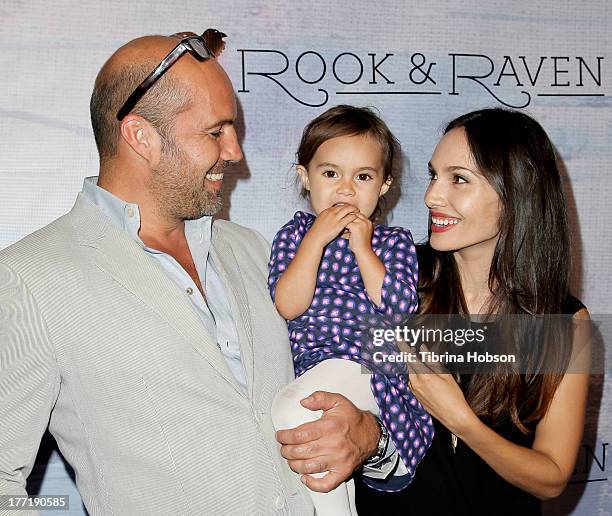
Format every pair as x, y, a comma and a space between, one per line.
571, 305
425, 258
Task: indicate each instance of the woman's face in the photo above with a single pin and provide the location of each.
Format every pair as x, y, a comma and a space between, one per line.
464, 208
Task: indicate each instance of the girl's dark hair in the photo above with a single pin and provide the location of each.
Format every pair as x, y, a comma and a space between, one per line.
344, 120
530, 268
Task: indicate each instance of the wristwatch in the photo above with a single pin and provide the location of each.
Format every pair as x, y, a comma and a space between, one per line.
383, 441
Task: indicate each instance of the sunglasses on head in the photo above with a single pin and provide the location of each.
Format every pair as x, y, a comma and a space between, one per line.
209, 44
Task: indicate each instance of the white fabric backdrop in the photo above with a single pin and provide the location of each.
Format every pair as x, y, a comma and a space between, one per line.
51, 52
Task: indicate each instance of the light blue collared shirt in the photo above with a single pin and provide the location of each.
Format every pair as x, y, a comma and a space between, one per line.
214, 310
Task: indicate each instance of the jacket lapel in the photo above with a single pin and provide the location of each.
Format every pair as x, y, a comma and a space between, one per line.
125, 261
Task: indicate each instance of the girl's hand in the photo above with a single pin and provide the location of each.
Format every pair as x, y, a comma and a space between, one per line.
439, 394
360, 237
331, 222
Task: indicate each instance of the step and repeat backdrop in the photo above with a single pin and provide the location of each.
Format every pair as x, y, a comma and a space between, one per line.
418, 63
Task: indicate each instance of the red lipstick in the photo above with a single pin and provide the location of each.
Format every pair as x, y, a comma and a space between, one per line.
441, 229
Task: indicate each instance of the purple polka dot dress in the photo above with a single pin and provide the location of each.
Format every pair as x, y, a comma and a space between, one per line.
334, 326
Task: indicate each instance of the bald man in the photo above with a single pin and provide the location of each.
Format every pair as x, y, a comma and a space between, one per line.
143, 335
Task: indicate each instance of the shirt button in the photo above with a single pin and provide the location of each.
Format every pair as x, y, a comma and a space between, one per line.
279, 502
189, 290
130, 212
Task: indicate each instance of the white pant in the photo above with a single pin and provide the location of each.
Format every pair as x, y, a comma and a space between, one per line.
334, 375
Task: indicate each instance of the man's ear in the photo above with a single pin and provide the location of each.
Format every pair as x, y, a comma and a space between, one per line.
142, 138
303, 173
385, 187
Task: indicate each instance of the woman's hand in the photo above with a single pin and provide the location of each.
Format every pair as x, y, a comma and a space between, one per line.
439, 393
542, 470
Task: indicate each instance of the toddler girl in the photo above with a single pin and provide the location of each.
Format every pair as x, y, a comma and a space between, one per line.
331, 271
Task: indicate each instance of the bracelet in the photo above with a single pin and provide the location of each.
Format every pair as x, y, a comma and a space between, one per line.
383, 441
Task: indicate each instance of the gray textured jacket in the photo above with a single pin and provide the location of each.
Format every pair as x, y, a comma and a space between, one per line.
99, 344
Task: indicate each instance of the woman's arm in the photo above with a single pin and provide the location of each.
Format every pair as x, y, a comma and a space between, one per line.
542, 470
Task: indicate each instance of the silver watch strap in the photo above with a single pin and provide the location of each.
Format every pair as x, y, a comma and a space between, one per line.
383, 442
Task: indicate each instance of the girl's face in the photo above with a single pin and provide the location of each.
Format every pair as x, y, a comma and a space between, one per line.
464, 208
348, 170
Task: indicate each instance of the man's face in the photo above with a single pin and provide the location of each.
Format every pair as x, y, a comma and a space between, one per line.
187, 182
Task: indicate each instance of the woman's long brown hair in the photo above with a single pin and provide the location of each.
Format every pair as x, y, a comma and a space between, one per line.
530, 268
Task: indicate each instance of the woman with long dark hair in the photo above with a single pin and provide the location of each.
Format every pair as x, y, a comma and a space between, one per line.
498, 245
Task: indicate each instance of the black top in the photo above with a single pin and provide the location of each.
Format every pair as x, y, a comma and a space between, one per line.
457, 482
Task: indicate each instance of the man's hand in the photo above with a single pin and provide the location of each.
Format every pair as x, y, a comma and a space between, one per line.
339, 442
